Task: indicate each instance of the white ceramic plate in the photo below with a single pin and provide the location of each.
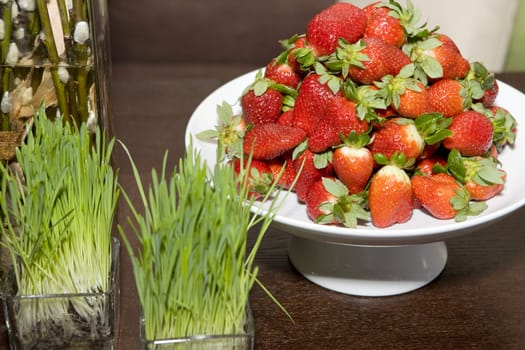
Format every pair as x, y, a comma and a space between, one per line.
421, 228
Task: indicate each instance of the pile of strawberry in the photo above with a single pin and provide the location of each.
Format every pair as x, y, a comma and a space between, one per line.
373, 116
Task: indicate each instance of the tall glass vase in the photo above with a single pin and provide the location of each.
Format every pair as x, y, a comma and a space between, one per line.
53, 53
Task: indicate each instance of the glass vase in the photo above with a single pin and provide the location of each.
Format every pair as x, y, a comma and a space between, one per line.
53, 53
239, 341
81, 321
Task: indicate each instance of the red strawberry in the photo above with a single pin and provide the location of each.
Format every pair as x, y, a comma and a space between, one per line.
398, 135
437, 57
443, 197
381, 23
426, 166
316, 197
479, 192
368, 60
339, 118
481, 176
329, 202
406, 95
258, 176
286, 118
390, 197
472, 134
311, 101
340, 20
310, 172
282, 73
271, 140
490, 94
353, 163
299, 55
261, 107
448, 97
448, 55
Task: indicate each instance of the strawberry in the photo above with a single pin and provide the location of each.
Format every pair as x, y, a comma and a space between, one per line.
397, 135
451, 97
480, 175
504, 124
329, 202
311, 102
353, 163
339, 118
472, 134
310, 168
257, 176
297, 54
282, 73
483, 192
286, 118
261, 106
406, 95
426, 166
271, 140
367, 60
437, 57
382, 24
390, 196
317, 196
443, 197
340, 20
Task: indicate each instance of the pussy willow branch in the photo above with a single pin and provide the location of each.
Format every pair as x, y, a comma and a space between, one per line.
79, 14
4, 47
53, 58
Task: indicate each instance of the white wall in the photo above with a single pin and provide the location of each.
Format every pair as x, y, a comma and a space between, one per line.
480, 28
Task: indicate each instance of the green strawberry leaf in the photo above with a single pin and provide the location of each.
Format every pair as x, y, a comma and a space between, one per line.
335, 187
433, 127
456, 166
299, 149
260, 87
431, 67
321, 160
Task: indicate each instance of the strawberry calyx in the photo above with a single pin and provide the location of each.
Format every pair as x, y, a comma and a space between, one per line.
305, 56
464, 207
355, 140
504, 124
392, 87
368, 99
333, 81
397, 159
347, 55
426, 66
347, 210
228, 133
481, 170
481, 74
433, 127
261, 84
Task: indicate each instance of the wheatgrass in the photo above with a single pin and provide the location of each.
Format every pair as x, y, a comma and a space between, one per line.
193, 270
58, 222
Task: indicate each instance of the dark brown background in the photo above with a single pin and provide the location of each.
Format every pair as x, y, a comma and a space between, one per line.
167, 57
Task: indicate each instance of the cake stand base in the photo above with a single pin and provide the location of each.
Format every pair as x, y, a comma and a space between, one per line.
372, 271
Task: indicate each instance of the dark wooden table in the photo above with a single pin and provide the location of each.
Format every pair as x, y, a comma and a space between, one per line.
478, 302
